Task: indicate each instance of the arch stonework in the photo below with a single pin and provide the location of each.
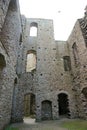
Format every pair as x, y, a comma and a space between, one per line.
33, 29
35, 24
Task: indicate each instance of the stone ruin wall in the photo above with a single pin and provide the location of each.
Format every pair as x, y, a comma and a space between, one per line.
9, 40
49, 79
79, 67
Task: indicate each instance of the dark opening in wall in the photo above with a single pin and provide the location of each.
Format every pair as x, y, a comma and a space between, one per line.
20, 40
15, 81
67, 63
41, 74
63, 104
33, 29
75, 53
2, 61
84, 91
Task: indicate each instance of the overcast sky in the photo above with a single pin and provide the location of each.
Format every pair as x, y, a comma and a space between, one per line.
63, 12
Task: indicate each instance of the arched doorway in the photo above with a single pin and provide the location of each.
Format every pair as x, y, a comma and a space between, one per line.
46, 110
63, 104
29, 105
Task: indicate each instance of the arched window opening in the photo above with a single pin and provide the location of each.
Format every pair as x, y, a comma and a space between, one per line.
46, 110
67, 63
31, 61
63, 104
75, 53
33, 29
2, 62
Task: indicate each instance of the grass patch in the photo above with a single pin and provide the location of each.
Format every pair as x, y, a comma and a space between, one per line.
11, 128
75, 125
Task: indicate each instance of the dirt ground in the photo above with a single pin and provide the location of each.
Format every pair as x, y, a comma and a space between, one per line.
30, 124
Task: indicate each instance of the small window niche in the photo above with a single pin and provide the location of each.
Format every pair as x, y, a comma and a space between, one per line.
20, 39
15, 81
31, 61
67, 63
2, 62
84, 91
75, 53
33, 29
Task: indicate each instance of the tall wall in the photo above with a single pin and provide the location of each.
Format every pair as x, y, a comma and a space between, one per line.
79, 63
64, 82
9, 41
49, 79
60, 67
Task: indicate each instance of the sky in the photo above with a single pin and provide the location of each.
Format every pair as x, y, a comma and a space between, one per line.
63, 12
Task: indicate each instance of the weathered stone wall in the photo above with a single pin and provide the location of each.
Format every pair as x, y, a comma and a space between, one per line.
4, 4
49, 79
60, 67
79, 68
9, 37
64, 81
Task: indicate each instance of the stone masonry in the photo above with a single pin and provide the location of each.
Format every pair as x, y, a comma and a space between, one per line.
57, 85
9, 41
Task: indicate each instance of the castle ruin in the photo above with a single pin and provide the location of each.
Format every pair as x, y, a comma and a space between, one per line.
38, 75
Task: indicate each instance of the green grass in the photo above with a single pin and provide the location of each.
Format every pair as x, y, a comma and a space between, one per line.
75, 125
11, 128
